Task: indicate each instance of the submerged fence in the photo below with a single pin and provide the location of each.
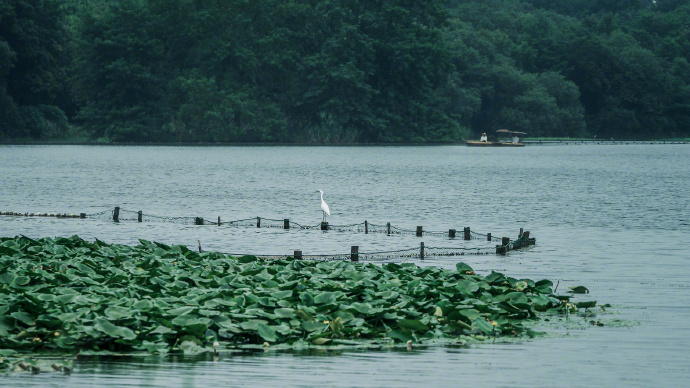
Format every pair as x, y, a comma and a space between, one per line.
420, 253
506, 244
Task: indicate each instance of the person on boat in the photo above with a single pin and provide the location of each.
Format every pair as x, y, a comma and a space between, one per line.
515, 138
483, 138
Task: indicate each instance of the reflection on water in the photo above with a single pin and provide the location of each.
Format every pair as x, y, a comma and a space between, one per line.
611, 218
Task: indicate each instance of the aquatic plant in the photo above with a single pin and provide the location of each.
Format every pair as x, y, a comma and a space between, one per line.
66, 295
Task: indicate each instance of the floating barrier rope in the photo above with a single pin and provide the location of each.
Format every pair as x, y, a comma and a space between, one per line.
411, 253
119, 215
124, 215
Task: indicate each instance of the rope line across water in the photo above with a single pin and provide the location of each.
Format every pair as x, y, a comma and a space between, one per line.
129, 215
119, 214
383, 255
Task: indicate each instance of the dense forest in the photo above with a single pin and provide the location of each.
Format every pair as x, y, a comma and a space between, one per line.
342, 71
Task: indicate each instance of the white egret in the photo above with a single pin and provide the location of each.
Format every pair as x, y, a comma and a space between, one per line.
324, 206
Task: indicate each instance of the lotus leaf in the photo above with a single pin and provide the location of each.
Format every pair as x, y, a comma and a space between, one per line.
155, 297
160, 329
185, 320
181, 310
541, 302
153, 347
314, 326
247, 259
23, 317
114, 331
325, 298
5, 250
320, 341
266, 332
118, 312
192, 347
585, 305
469, 314
68, 317
509, 307
400, 335
252, 324
464, 269
284, 329
336, 326
21, 280
413, 324
561, 297
483, 325
6, 277
285, 313
143, 305
579, 290
496, 278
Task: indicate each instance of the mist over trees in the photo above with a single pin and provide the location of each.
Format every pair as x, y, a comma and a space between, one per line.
342, 71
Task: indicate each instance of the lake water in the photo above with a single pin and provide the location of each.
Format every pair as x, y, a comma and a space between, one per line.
613, 218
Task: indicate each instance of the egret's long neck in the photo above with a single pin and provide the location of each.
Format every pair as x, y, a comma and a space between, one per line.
321, 195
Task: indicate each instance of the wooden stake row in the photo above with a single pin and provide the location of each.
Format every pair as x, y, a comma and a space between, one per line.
57, 215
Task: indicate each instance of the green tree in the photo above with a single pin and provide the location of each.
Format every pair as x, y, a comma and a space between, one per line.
32, 65
118, 61
332, 71
10, 119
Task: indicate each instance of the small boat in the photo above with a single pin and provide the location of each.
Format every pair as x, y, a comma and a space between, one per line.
483, 142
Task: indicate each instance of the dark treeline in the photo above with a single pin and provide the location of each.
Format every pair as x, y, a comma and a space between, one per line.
342, 71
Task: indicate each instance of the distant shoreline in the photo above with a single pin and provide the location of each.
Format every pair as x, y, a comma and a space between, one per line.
207, 144
539, 141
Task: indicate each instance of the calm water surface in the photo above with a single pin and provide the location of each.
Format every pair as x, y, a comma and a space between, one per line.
614, 218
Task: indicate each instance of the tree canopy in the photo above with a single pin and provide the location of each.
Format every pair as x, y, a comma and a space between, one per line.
342, 71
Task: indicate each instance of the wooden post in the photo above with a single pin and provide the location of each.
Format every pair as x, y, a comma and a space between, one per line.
324, 226
354, 253
297, 255
116, 214
501, 249
286, 223
488, 237
421, 251
139, 216
388, 226
258, 222
82, 215
505, 241
520, 235
366, 227
198, 221
419, 231
451, 233
466, 231
525, 239
218, 220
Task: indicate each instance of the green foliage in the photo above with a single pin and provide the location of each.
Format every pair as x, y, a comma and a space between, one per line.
616, 79
67, 295
340, 71
118, 57
32, 68
43, 121
319, 72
